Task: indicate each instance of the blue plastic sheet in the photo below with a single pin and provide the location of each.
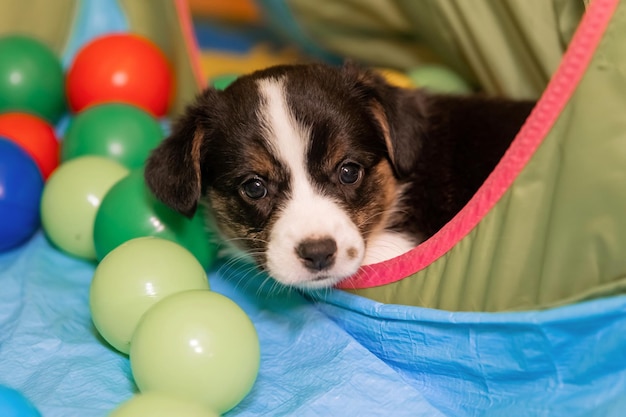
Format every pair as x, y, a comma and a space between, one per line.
338, 356
569, 361
50, 351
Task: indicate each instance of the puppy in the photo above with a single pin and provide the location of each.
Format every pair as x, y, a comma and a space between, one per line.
315, 170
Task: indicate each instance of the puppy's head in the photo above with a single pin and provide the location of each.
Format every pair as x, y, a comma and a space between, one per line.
300, 165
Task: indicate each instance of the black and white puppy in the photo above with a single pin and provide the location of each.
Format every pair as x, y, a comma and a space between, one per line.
315, 171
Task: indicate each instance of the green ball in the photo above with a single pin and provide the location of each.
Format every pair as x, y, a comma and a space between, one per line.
197, 345
160, 405
31, 78
70, 201
135, 276
221, 82
439, 79
130, 210
122, 132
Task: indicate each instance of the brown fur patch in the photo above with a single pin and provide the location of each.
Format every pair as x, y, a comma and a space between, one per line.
196, 146
253, 241
378, 112
381, 191
246, 223
259, 161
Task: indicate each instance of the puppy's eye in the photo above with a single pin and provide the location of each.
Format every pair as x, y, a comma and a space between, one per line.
350, 173
254, 188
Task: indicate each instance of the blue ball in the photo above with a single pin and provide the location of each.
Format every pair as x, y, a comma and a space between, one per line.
21, 185
13, 404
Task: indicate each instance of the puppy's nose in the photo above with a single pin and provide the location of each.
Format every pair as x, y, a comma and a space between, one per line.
317, 254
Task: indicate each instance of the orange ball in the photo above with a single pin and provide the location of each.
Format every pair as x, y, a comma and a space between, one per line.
35, 136
122, 68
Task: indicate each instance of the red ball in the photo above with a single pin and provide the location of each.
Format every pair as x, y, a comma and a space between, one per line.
122, 68
35, 136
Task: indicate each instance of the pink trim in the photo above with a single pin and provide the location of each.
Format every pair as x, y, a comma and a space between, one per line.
539, 123
186, 24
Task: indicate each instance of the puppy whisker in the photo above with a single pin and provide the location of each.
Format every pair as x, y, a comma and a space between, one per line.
379, 215
246, 239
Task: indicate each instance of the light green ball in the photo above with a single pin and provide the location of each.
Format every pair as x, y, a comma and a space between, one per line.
70, 201
197, 345
135, 276
159, 405
439, 79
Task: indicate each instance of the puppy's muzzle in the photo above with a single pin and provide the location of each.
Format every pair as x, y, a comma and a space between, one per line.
317, 254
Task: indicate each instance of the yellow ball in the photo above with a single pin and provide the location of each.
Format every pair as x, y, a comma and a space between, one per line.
396, 78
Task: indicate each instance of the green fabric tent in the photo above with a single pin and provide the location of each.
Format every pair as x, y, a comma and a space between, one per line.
548, 227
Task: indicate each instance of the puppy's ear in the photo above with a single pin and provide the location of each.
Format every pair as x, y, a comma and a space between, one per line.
401, 114
172, 171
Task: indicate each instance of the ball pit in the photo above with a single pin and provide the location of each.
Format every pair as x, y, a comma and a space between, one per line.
21, 185
120, 132
35, 136
31, 78
71, 198
135, 276
152, 271
129, 210
160, 405
14, 404
123, 68
197, 345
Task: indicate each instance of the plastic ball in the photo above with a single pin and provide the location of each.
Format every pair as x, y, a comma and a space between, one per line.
132, 278
221, 82
121, 132
35, 136
439, 79
197, 345
129, 210
160, 405
21, 185
71, 199
31, 78
14, 404
123, 68
396, 78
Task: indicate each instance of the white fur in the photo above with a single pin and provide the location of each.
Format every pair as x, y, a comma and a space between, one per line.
307, 214
386, 245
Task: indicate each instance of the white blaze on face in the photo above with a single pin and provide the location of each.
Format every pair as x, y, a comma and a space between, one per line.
307, 214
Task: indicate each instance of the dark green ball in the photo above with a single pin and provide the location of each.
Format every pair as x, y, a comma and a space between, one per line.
129, 210
31, 78
121, 132
221, 82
